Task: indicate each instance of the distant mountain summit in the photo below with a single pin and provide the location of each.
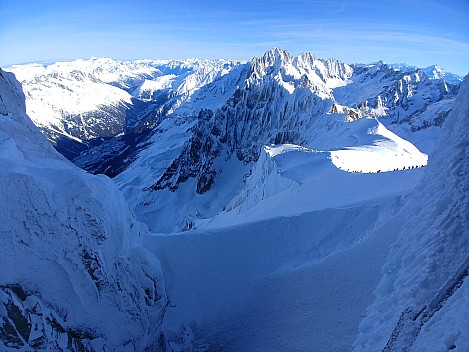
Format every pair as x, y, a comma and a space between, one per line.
113, 117
77, 103
83, 100
189, 119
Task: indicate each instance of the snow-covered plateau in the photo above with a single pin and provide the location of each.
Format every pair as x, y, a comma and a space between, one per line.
281, 204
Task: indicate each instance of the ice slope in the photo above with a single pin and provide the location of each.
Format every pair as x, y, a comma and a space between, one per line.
384, 150
74, 274
287, 283
421, 301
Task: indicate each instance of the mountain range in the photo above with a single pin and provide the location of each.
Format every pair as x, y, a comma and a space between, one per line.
285, 203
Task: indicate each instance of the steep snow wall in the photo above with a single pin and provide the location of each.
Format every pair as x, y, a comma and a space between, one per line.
293, 283
74, 275
421, 302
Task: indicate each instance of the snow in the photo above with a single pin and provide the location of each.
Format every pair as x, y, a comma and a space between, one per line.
295, 263
319, 75
361, 146
388, 152
56, 93
300, 241
320, 245
60, 90
431, 248
284, 173
284, 283
294, 260
311, 179
71, 249
448, 328
150, 86
279, 267
167, 142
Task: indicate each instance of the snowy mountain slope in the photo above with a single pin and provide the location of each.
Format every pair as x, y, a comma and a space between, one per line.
65, 100
110, 156
77, 103
381, 90
231, 110
101, 97
79, 100
281, 100
180, 79
297, 269
266, 109
292, 265
307, 180
276, 174
122, 74
425, 275
74, 275
433, 71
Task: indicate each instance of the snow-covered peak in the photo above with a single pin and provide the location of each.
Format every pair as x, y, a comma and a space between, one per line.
97, 97
432, 72
119, 73
306, 59
276, 56
270, 63
281, 99
437, 72
304, 71
58, 95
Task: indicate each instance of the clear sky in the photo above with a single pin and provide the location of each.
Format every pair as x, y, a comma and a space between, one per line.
419, 33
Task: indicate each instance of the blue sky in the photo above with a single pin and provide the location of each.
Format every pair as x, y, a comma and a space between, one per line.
419, 33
